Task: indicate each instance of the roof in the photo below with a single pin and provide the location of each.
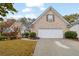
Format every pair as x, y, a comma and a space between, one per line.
16, 24
9, 23
60, 16
75, 23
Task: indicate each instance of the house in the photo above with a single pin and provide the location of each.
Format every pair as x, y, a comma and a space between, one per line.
12, 28
75, 27
17, 28
21, 28
7, 25
50, 24
9, 22
25, 27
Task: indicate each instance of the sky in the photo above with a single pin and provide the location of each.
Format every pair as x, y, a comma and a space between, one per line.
30, 10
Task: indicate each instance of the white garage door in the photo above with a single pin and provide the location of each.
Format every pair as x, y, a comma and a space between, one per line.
50, 33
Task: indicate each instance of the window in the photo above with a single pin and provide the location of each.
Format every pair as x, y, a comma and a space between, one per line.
50, 17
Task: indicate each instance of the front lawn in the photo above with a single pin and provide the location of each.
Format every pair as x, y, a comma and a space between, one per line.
17, 48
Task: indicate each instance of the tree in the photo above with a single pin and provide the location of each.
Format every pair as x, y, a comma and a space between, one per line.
1, 27
31, 20
23, 20
72, 17
1, 19
5, 8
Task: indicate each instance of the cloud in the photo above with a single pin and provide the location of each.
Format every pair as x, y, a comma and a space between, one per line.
33, 4
14, 16
42, 8
29, 6
31, 15
27, 10
38, 5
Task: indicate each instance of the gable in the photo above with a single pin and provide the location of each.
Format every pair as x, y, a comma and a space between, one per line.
51, 11
43, 23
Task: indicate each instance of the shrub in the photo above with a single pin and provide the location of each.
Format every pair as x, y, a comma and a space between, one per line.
26, 34
3, 37
32, 35
70, 35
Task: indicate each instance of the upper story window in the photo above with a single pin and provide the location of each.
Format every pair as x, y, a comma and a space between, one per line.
50, 17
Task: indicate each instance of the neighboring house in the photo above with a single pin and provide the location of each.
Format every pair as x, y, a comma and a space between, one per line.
25, 27
21, 28
17, 25
13, 27
8, 24
75, 27
50, 24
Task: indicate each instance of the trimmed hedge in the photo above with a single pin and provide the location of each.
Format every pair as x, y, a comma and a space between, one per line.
32, 35
70, 35
29, 35
26, 34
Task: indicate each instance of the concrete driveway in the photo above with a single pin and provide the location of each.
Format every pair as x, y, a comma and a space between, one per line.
56, 47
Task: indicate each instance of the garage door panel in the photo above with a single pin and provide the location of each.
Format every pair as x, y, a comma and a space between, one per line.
50, 33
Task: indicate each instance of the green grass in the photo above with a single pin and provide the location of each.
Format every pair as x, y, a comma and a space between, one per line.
17, 48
